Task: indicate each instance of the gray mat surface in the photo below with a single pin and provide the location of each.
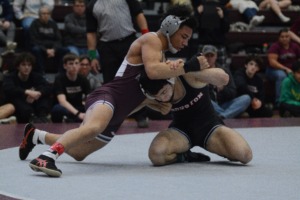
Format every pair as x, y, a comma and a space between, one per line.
122, 170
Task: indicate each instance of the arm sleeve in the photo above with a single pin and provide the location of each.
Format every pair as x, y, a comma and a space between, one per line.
91, 21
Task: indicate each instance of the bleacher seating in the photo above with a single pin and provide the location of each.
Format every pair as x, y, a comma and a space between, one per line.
265, 33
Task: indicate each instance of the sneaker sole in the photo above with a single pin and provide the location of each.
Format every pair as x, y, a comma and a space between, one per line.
49, 172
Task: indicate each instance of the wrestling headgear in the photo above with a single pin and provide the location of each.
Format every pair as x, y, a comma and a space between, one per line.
168, 27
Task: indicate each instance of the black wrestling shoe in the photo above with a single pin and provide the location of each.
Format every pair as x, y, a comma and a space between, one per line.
26, 146
195, 157
46, 165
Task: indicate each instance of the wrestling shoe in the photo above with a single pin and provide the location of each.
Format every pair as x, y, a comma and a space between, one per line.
46, 165
26, 146
195, 157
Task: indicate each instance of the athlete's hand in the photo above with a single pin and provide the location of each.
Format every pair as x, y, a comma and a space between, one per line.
174, 64
203, 62
165, 108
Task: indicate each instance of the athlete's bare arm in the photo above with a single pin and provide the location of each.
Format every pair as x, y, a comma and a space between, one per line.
214, 76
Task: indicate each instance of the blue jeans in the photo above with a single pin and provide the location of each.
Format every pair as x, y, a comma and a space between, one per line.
276, 75
232, 108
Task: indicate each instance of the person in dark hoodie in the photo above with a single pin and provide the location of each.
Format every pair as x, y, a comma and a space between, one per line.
249, 82
28, 91
46, 41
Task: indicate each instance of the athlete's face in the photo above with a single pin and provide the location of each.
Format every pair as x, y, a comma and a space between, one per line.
181, 37
165, 94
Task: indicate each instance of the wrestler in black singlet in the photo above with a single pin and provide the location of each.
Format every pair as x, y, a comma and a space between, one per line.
194, 115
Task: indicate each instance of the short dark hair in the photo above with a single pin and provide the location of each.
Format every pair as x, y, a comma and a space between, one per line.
256, 59
70, 57
84, 56
296, 66
150, 86
24, 57
184, 12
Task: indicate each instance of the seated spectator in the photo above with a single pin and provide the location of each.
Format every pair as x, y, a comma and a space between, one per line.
46, 40
249, 10
213, 26
225, 100
276, 6
26, 11
249, 82
28, 91
85, 70
70, 88
295, 31
281, 55
290, 93
75, 29
7, 27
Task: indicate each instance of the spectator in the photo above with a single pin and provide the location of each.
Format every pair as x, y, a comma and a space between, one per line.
290, 93
281, 55
46, 40
26, 11
75, 29
294, 31
249, 82
113, 22
70, 89
7, 27
85, 70
213, 26
224, 99
28, 91
249, 10
276, 6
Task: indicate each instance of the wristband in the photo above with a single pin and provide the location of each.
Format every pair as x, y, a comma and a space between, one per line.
77, 114
192, 65
145, 30
92, 54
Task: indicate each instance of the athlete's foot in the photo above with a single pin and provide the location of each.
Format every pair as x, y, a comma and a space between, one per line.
46, 165
27, 145
195, 157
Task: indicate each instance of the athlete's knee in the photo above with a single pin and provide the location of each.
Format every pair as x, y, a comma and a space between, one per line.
245, 155
157, 154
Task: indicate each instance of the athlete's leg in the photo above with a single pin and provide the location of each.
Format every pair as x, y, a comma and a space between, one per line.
230, 144
95, 122
166, 145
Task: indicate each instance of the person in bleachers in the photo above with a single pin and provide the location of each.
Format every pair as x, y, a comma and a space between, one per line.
26, 11
46, 40
281, 55
225, 100
249, 82
28, 91
7, 27
75, 29
249, 10
295, 31
276, 6
213, 26
290, 93
86, 71
70, 89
